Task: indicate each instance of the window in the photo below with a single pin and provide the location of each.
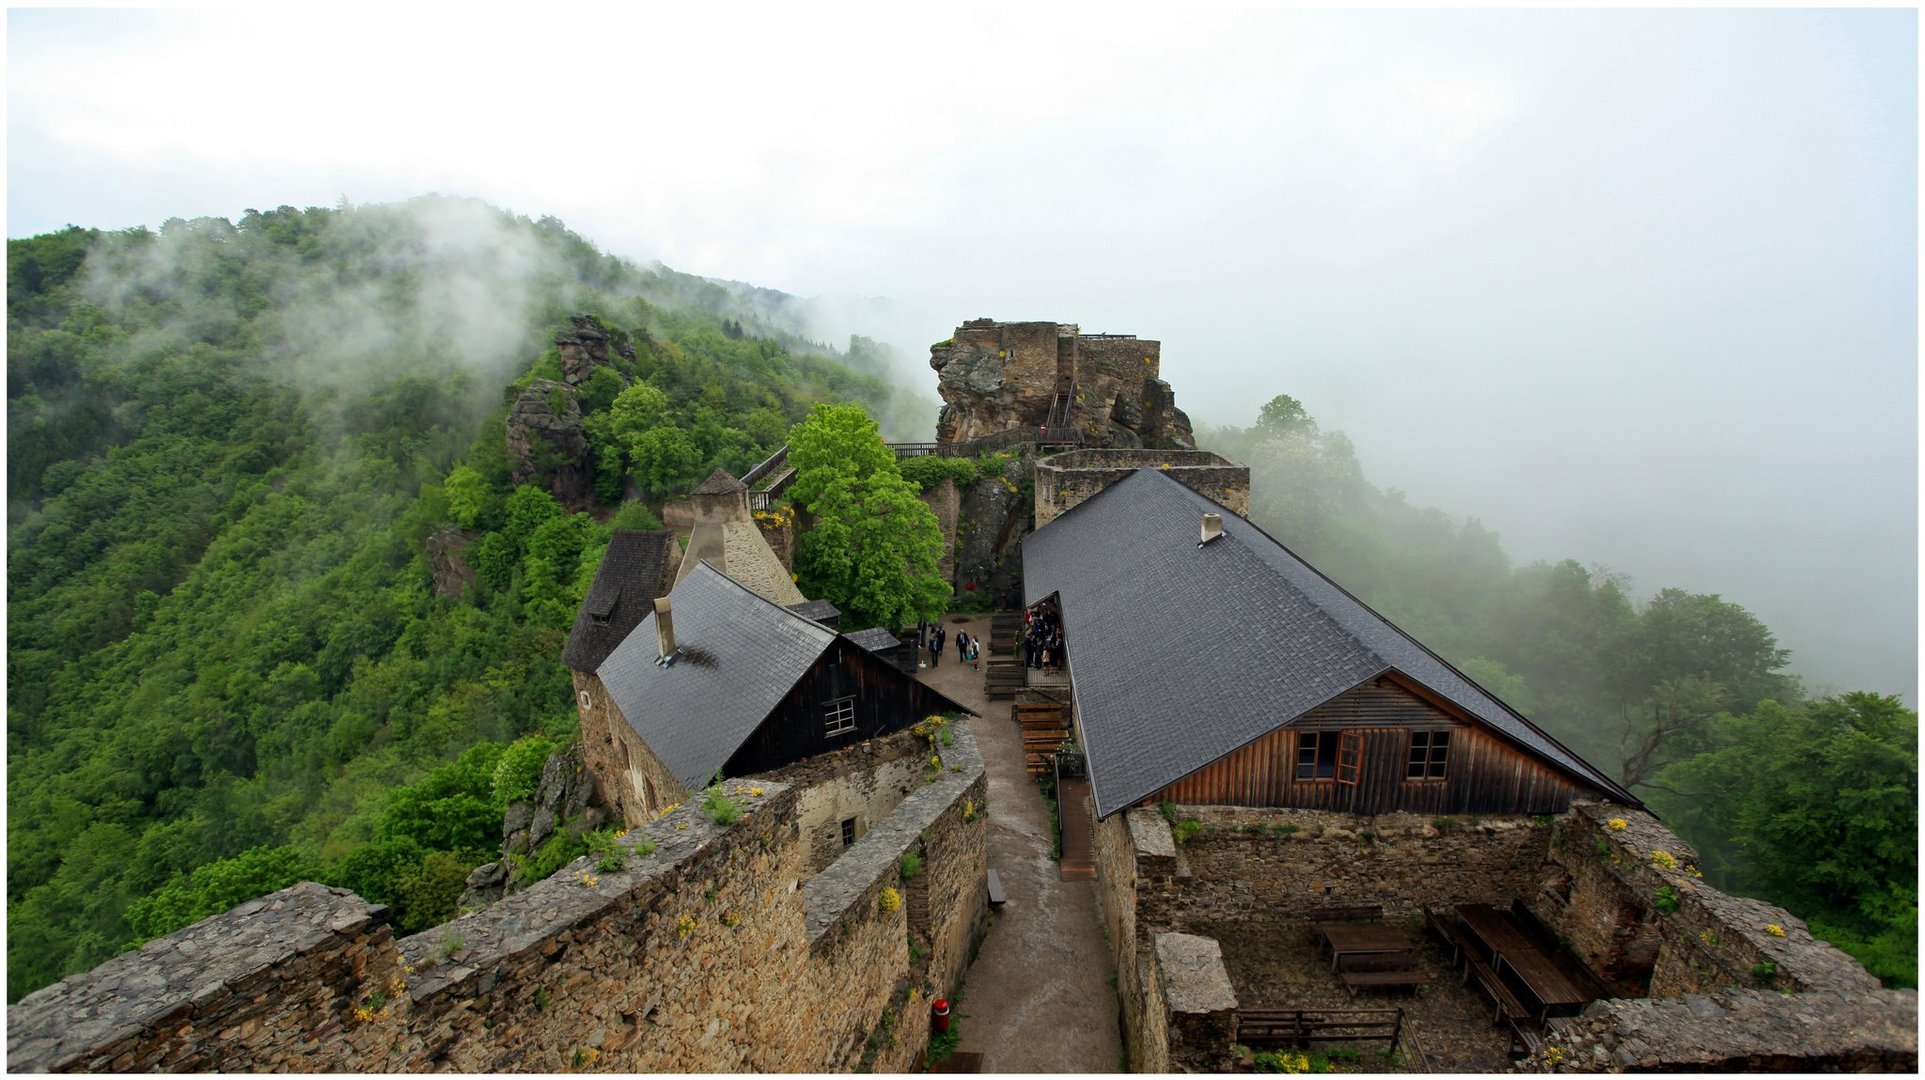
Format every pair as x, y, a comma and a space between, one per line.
840, 715
1428, 753
587, 702
848, 831
1316, 755
1350, 757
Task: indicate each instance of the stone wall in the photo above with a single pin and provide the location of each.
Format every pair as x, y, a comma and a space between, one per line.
642, 784
1195, 1005
1276, 865
1712, 982
866, 781
1613, 871
708, 954
1065, 480
1737, 1030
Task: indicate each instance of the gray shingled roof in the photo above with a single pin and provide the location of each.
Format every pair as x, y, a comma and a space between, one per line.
820, 610
739, 655
875, 639
1180, 654
720, 482
624, 590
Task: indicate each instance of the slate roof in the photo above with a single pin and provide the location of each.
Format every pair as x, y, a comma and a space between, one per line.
820, 610
624, 590
739, 655
875, 639
720, 483
1179, 654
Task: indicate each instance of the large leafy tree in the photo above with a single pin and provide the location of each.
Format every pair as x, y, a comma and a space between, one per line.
874, 546
1820, 801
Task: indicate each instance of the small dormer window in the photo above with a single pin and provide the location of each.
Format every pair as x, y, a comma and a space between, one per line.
597, 618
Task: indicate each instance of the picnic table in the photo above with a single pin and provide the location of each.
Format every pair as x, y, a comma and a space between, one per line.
1347, 939
1506, 947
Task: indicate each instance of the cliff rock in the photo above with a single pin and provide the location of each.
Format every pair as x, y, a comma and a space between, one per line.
566, 800
584, 347
452, 574
545, 441
996, 377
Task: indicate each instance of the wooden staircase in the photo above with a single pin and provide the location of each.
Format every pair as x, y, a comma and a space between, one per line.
1005, 632
1004, 678
1045, 727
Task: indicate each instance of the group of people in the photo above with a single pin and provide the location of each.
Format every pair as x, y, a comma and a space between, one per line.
968, 649
1043, 636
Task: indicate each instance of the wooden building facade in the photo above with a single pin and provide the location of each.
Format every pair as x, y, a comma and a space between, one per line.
848, 695
1378, 749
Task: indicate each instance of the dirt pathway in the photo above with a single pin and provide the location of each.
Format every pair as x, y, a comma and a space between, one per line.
1039, 997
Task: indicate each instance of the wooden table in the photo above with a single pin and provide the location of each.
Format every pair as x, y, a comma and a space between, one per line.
1509, 948
1359, 939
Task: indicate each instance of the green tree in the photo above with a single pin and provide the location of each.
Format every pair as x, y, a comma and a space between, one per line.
874, 546
665, 460
218, 886
1821, 801
471, 499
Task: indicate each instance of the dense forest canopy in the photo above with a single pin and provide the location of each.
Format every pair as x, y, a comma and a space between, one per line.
228, 668
1680, 696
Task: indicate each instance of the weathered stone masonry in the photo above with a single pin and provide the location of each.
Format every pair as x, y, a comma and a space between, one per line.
713, 953
1724, 990
1064, 480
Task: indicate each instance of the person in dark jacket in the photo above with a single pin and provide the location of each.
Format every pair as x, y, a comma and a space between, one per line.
935, 646
962, 645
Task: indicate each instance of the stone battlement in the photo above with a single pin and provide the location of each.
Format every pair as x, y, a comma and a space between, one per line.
714, 952
1064, 480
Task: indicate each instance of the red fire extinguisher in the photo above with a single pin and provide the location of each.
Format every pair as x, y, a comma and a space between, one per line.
939, 1015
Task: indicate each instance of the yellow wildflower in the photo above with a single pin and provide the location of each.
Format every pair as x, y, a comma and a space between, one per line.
1617, 824
890, 901
1774, 930
684, 926
1664, 860
756, 791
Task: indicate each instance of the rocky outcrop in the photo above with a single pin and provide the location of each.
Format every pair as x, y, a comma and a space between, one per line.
584, 347
996, 377
994, 516
545, 441
452, 574
566, 800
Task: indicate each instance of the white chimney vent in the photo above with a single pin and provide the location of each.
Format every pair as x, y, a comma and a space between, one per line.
664, 631
1212, 528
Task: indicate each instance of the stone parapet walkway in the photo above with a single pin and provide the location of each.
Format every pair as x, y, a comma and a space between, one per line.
1041, 995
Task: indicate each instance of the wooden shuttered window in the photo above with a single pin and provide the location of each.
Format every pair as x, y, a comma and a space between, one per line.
1350, 757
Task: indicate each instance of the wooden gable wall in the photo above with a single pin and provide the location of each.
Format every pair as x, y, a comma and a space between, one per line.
886, 700
1484, 774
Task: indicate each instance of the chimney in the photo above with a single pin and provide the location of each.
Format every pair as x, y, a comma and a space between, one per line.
1212, 528
664, 631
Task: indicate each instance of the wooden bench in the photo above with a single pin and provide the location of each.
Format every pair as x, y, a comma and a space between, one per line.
997, 898
1354, 981
1509, 1009
1274, 1027
1353, 913
1447, 927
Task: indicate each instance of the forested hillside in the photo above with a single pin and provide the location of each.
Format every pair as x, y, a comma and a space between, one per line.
228, 667
1681, 696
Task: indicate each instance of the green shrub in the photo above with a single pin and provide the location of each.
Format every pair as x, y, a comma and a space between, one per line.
928, 471
719, 807
1665, 900
635, 515
518, 771
911, 865
1185, 829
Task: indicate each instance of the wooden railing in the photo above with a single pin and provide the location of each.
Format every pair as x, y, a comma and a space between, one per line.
774, 463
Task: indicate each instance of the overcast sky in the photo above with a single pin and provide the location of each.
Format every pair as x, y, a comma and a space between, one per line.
1633, 287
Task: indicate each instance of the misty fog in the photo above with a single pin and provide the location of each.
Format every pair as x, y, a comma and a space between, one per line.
1636, 288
